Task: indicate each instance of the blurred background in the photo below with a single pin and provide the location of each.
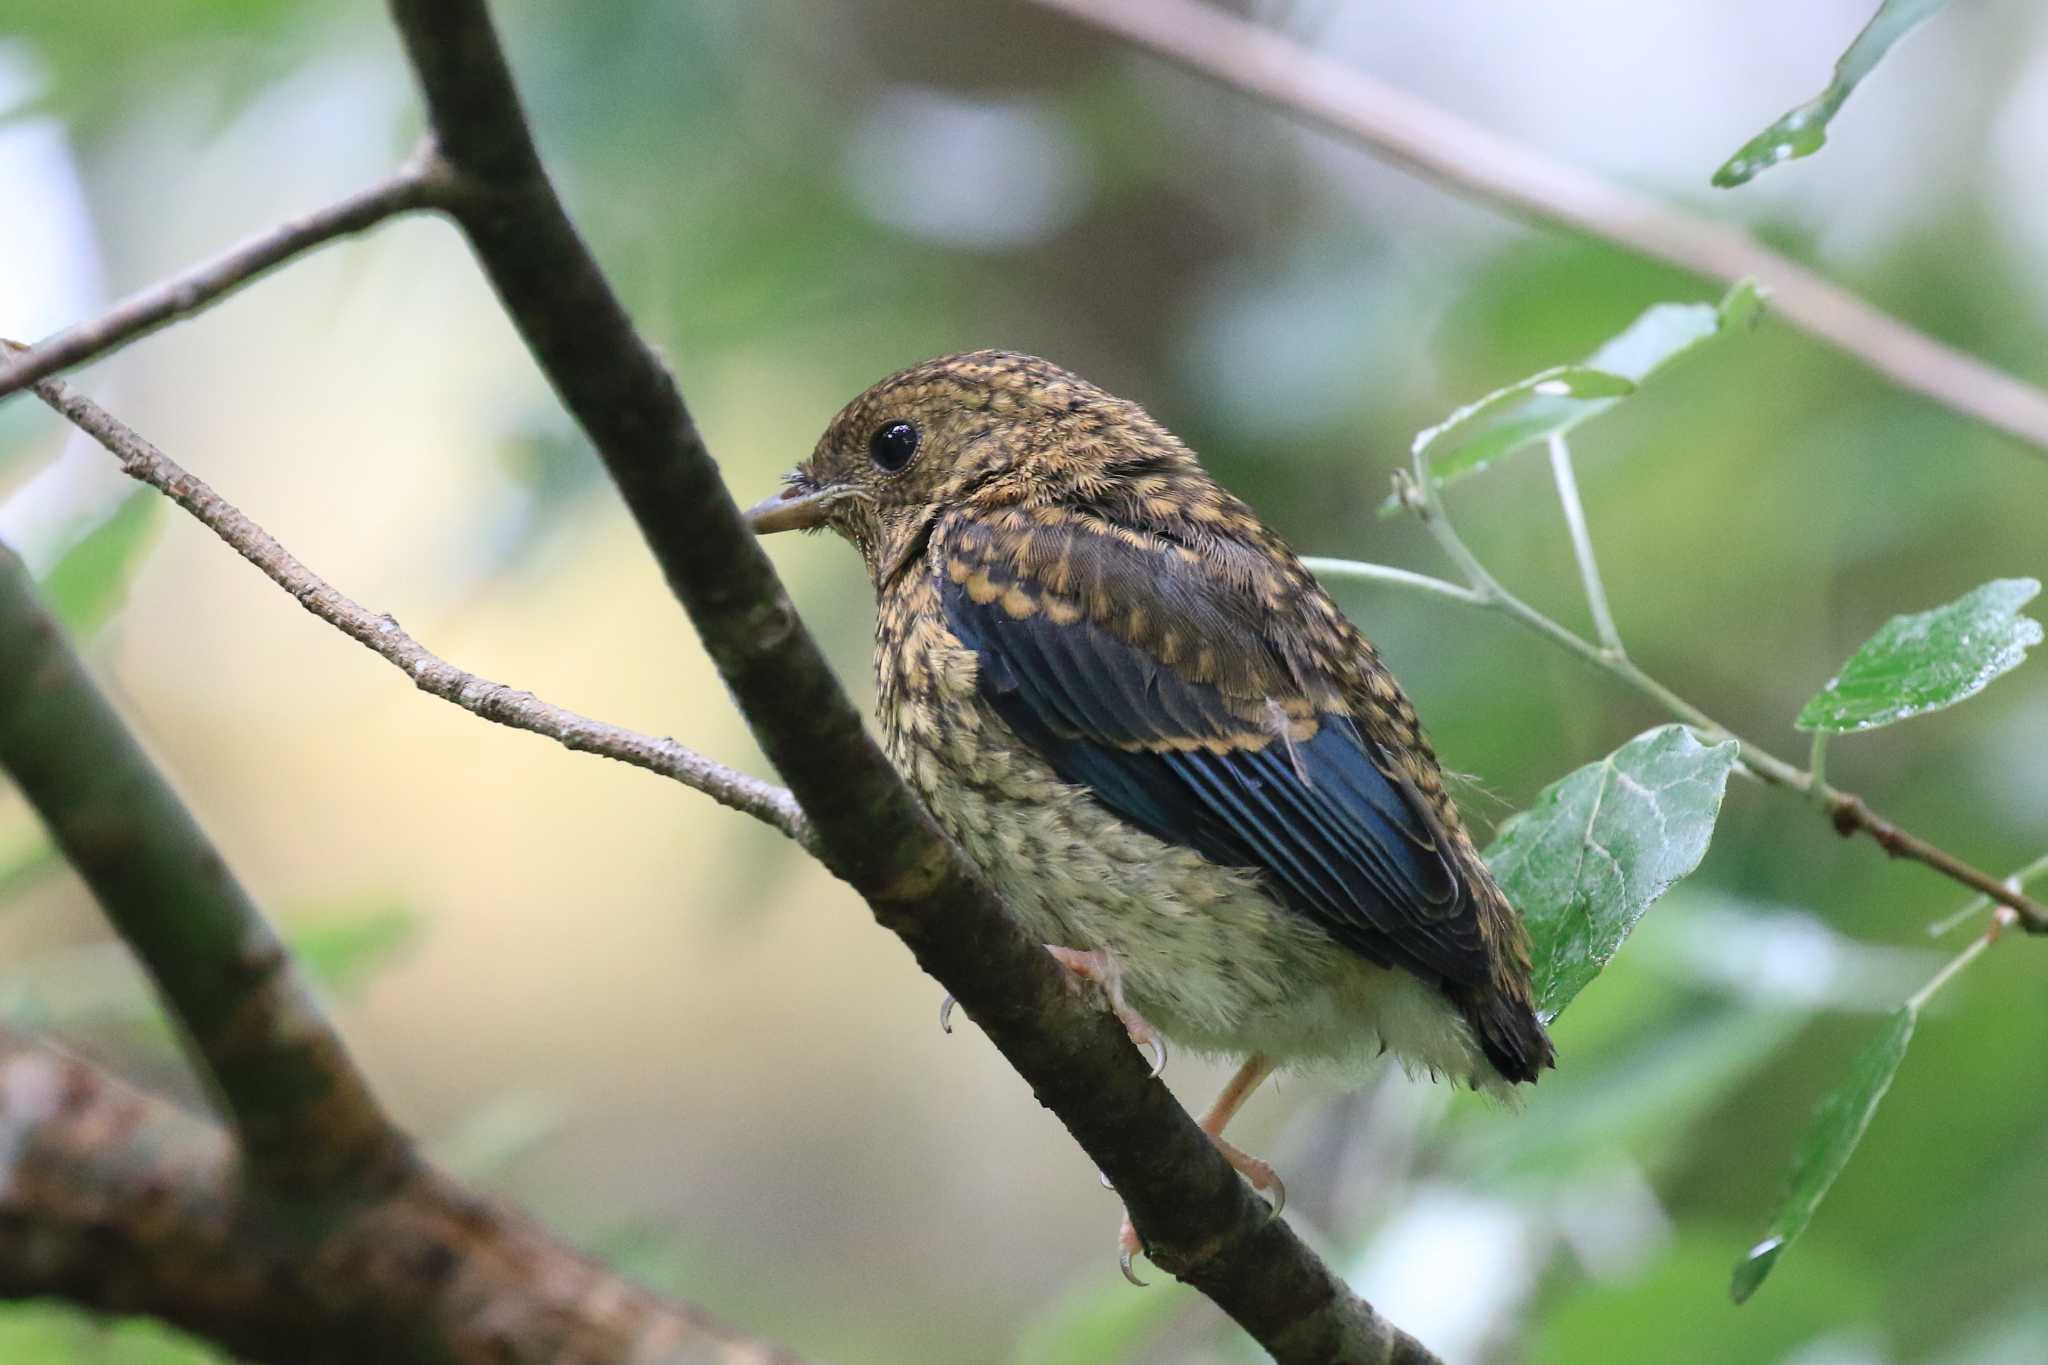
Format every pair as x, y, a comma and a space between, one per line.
686, 1047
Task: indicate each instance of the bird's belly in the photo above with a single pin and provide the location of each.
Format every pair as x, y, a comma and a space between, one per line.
1207, 956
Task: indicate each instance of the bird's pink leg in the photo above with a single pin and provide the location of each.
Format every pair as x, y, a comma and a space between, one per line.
1256, 1068
1261, 1175
1100, 966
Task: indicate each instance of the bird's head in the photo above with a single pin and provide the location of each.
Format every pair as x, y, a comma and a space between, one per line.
980, 429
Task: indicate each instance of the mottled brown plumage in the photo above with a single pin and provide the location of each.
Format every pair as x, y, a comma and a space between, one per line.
1161, 739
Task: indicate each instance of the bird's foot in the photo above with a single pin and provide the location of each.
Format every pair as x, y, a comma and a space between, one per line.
1100, 966
1259, 1174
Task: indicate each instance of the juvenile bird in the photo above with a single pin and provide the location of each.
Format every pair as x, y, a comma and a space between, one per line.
1185, 771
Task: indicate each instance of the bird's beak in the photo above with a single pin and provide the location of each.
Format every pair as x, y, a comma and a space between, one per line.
795, 508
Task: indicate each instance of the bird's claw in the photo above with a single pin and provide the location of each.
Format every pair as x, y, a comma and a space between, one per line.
1259, 1174
1127, 1247
1278, 1201
946, 1012
1157, 1046
1101, 966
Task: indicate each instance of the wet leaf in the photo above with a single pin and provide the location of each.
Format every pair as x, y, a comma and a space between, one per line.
1556, 400
1601, 844
1804, 131
1929, 660
1838, 1126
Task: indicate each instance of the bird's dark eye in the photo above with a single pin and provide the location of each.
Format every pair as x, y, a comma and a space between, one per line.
892, 445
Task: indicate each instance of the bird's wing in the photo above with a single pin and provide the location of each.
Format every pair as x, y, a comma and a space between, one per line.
1154, 682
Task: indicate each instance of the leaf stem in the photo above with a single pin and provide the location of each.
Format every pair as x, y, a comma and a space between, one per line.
1387, 573
1582, 545
1918, 1000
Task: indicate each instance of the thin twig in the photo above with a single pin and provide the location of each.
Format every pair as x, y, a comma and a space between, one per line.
423, 182
1851, 815
1977, 905
1473, 161
305, 1117
1387, 573
1582, 545
1420, 493
1918, 1000
493, 701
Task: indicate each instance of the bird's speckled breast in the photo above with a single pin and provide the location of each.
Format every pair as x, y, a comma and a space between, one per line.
1212, 960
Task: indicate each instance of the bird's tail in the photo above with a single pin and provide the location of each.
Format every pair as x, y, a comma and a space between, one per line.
1509, 1033
1502, 1007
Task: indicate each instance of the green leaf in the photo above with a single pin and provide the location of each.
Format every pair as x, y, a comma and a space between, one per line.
1838, 1126
1804, 131
1521, 414
1930, 660
1601, 844
87, 585
1556, 400
342, 945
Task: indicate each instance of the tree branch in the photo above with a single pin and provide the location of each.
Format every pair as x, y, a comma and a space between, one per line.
1472, 161
121, 1203
1198, 1218
422, 182
381, 634
303, 1114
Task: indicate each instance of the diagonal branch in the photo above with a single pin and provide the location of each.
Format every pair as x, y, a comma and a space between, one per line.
1197, 1216
1470, 160
423, 182
303, 1114
383, 635
122, 1203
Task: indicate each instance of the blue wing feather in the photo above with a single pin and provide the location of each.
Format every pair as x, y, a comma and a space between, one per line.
1335, 836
